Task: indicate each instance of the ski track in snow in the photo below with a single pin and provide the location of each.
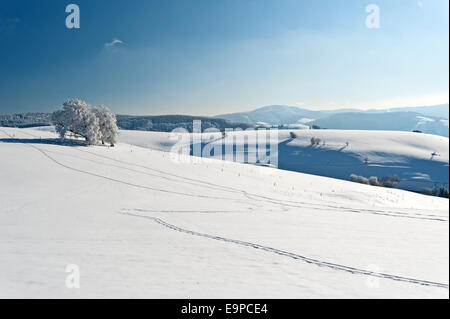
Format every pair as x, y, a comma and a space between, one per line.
252, 199
128, 183
45, 153
195, 182
352, 210
316, 262
282, 203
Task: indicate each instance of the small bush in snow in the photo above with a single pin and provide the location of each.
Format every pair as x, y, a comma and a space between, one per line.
443, 192
390, 181
429, 191
363, 180
292, 135
373, 180
315, 141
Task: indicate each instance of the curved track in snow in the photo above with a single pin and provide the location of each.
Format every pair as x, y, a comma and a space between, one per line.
316, 262
251, 196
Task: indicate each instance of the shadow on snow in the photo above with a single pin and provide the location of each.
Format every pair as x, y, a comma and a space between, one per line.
45, 141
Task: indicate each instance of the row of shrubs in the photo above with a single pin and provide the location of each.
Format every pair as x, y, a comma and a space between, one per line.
314, 140
442, 192
392, 181
389, 181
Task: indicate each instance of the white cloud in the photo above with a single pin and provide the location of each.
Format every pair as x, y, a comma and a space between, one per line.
113, 43
419, 3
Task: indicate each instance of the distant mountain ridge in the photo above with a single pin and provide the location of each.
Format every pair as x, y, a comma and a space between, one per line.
273, 114
441, 110
428, 119
392, 121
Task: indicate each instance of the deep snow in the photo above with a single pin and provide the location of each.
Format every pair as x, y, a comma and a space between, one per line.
419, 160
140, 225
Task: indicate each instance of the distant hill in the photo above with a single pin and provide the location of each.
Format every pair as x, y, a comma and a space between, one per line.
273, 114
418, 160
436, 110
392, 121
428, 119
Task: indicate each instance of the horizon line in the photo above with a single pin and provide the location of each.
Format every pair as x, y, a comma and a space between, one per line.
353, 109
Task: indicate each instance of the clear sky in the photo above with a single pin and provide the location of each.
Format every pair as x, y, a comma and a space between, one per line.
219, 56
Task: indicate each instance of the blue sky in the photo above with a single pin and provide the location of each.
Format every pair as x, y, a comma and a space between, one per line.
218, 56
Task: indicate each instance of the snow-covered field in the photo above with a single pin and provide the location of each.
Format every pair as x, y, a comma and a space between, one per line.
138, 224
419, 160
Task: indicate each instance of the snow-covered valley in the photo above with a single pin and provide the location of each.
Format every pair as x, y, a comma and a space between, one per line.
419, 160
140, 225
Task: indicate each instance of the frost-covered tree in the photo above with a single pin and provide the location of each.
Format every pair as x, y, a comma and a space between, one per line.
107, 125
354, 177
373, 180
77, 117
61, 122
390, 181
363, 180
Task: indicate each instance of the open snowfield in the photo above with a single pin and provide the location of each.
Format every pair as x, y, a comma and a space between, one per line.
419, 160
138, 224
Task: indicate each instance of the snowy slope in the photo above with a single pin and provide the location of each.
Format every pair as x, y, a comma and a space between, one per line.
140, 225
419, 160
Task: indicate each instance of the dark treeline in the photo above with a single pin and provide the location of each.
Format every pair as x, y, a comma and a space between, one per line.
159, 123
